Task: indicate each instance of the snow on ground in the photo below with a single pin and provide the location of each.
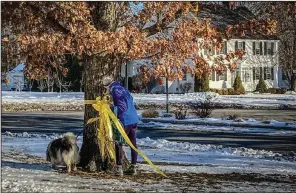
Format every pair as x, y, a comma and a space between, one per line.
215, 159
205, 163
21, 177
226, 129
248, 100
220, 121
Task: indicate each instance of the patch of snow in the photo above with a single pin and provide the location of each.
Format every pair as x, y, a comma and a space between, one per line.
166, 151
76, 98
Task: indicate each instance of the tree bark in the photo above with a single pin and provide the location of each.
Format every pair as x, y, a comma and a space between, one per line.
94, 69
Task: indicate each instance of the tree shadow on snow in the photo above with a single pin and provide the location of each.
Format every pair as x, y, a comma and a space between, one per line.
33, 166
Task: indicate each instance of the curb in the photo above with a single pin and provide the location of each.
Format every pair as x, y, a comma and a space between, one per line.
234, 124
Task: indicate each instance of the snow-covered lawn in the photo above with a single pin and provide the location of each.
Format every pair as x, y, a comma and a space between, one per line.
224, 129
21, 171
222, 122
190, 166
76, 98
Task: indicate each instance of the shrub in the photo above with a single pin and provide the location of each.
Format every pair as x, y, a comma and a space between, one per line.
204, 110
261, 86
213, 90
272, 90
201, 84
283, 90
224, 92
220, 92
232, 117
238, 86
180, 113
150, 114
230, 91
185, 87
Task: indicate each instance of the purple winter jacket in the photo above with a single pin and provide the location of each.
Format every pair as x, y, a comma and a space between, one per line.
122, 98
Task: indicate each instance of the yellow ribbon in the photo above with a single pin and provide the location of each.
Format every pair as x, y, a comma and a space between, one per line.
105, 130
105, 134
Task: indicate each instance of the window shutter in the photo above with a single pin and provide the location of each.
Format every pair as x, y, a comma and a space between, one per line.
261, 48
261, 72
254, 75
225, 48
254, 48
265, 69
236, 45
272, 48
265, 48
244, 46
213, 75
272, 75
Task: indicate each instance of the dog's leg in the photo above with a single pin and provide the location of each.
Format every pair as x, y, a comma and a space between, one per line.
69, 168
68, 164
53, 164
74, 167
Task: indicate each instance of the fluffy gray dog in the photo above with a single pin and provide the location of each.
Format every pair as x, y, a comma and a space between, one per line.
63, 151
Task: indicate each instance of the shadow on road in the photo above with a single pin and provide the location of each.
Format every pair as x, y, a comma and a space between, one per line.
40, 123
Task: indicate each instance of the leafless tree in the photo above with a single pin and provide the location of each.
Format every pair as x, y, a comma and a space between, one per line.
185, 87
59, 77
31, 81
81, 82
50, 81
285, 15
19, 85
41, 84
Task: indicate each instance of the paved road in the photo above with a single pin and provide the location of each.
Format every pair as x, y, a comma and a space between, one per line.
73, 121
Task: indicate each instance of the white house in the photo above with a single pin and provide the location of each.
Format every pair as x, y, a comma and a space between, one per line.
16, 79
261, 58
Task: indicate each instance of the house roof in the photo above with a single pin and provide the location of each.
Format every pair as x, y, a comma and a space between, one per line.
222, 16
18, 68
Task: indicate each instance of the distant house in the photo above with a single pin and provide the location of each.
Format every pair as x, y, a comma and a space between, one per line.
261, 58
15, 79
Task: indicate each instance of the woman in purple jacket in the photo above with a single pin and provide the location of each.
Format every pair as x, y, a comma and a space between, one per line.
127, 114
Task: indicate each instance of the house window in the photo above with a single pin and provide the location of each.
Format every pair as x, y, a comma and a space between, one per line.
223, 76
218, 77
224, 48
246, 75
256, 73
209, 52
257, 48
240, 45
268, 73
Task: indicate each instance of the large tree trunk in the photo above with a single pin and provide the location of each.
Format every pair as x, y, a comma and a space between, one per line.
94, 69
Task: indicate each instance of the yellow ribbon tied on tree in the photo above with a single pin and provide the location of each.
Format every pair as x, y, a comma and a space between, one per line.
105, 132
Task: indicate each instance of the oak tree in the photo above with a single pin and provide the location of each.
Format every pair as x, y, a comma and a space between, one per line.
104, 35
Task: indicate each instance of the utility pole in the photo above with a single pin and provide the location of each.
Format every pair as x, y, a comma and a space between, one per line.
126, 76
167, 94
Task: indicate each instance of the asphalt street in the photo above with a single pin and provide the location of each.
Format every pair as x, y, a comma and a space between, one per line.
60, 122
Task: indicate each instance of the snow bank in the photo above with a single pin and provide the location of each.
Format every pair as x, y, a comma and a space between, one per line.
75, 99
36, 144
